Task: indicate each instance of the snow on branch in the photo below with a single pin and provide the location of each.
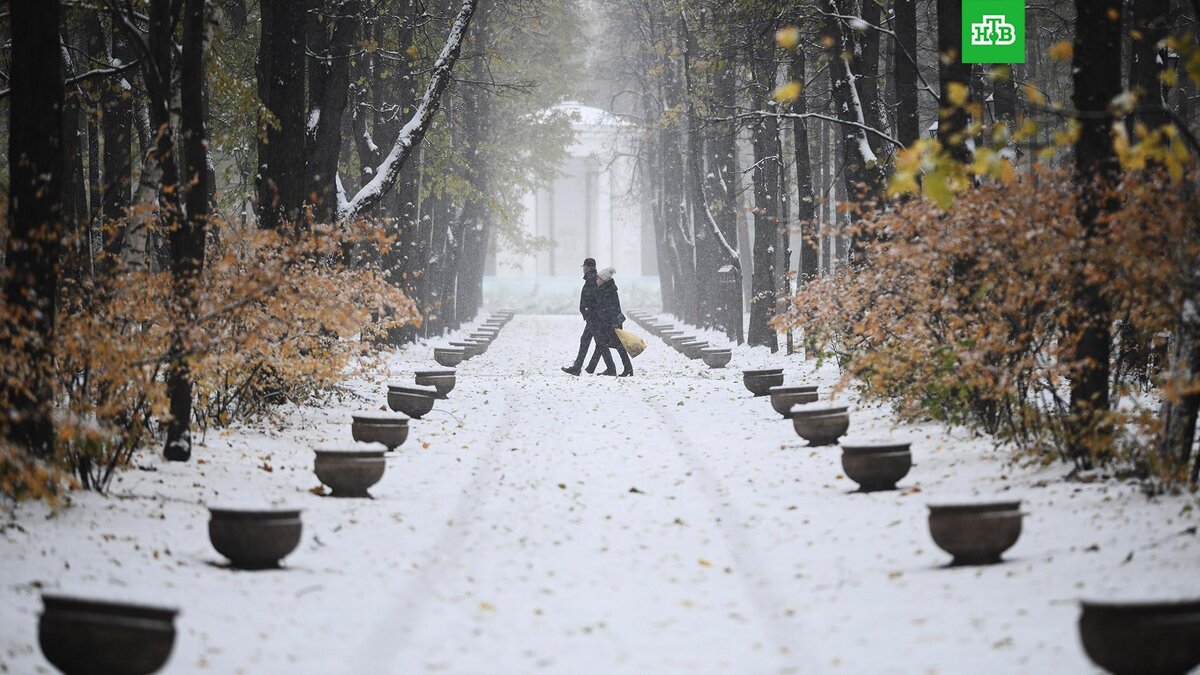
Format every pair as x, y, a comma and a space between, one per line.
413, 131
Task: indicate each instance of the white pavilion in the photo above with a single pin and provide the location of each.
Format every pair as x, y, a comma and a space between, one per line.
593, 209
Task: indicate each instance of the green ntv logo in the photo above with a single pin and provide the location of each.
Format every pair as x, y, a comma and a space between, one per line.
993, 31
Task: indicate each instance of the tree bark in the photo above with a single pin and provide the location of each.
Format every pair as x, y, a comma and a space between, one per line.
1097, 80
806, 211
281, 60
709, 255
35, 166
387, 173
1147, 61
767, 155
187, 240
723, 187
329, 75
862, 174
904, 65
953, 73
117, 126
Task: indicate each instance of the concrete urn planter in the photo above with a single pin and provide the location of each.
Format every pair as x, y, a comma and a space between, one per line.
85, 636
820, 423
693, 350
759, 382
715, 357
975, 533
670, 333
441, 380
254, 538
876, 464
677, 341
351, 468
783, 398
1150, 638
390, 429
449, 357
412, 401
471, 347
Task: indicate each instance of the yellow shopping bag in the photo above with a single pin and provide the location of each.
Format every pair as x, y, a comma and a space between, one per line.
633, 344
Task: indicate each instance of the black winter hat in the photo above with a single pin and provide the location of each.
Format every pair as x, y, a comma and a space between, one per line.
589, 262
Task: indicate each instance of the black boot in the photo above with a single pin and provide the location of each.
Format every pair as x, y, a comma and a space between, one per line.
571, 370
610, 368
625, 362
591, 367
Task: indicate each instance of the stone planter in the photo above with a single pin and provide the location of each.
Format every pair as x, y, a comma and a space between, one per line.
448, 357
975, 533
677, 341
254, 538
83, 636
820, 426
876, 465
759, 382
716, 357
390, 429
350, 470
693, 350
470, 348
1152, 638
783, 398
666, 335
412, 401
441, 380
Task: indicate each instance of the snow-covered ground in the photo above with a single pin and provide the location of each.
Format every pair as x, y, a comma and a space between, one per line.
667, 523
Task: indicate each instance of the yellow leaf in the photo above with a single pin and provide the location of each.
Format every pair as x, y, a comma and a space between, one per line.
788, 37
957, 93
786, 93
1061, 50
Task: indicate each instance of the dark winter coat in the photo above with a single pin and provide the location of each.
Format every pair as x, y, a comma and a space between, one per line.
587, 296
607, 314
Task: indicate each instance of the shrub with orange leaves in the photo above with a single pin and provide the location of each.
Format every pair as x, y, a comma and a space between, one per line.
279, 317
965, 314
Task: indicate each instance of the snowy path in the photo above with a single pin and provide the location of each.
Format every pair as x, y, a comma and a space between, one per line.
536, 522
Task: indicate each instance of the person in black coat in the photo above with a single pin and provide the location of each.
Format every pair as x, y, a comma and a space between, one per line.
587, 308
605, 319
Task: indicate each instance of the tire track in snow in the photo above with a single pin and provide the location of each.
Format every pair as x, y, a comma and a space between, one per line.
741, 548
381, 648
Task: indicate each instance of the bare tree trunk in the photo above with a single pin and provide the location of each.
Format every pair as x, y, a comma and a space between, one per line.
329, 87
806, 212
1097, 80
281, 87
862, 172
952, 118
723, 187
1179, 407
35, 166
187, 240
709, 255
117, 124
767, 155
904, 65
1147, 60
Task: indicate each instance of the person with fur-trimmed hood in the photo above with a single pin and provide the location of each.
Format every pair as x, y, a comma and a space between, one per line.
603, 323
